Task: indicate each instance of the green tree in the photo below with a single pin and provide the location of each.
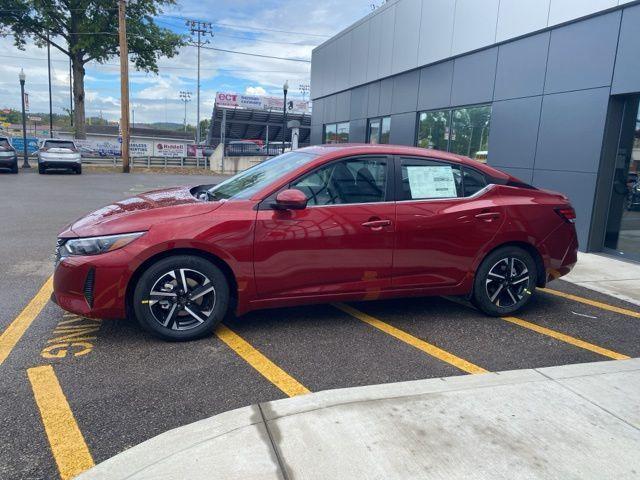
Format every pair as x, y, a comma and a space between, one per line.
87, 30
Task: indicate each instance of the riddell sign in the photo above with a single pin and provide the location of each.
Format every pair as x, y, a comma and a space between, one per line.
257, 102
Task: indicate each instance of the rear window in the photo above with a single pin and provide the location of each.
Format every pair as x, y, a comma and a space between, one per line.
4, 144
59, 144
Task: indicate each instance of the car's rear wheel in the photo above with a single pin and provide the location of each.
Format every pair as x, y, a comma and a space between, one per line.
41, 169
181, 298
505, 281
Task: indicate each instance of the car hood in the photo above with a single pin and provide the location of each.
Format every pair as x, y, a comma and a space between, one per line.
139, 213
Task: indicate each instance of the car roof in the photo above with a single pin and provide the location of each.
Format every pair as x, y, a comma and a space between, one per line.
345, 149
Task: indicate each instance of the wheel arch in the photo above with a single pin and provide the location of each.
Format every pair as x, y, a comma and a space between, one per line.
533, 251
217, 261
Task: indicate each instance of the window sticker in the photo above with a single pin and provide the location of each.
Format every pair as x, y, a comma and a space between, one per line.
431, 182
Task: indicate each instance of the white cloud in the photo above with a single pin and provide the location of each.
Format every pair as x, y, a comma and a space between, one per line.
255, 91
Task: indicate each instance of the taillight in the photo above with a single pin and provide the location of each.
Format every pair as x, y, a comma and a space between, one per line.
568, 214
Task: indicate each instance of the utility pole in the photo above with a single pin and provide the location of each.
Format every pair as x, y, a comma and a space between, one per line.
304, 90
201, 30
124, 84
70, 93
185, 97
49, 71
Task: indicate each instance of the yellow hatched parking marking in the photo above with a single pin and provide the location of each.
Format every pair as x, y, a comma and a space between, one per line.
415, 342
272, 372
14, 332
566, 338
593, 303
68, 446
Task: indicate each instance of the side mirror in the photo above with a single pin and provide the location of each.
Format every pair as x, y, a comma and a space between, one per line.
292, 199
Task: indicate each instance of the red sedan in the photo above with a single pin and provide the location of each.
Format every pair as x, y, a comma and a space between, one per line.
320, 224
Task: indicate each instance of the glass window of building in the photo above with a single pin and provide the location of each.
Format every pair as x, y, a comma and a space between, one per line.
378, 130
464, 131
336, 132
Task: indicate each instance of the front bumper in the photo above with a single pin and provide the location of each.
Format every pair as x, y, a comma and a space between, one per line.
8, 162
93, 286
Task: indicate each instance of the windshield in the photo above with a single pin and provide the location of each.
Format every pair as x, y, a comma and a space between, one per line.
4, 144
259, 176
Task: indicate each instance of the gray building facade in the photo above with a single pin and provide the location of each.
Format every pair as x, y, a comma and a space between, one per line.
546, 90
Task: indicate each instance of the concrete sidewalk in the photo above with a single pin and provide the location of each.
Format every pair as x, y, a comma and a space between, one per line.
574, 421
606, 274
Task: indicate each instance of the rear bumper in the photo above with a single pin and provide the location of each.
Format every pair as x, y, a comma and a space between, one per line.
562, 245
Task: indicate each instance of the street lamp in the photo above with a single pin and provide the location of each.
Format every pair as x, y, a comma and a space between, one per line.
185, 97
285, 89
25, 163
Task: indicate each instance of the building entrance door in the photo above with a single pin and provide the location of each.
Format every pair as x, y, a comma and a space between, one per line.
623, 221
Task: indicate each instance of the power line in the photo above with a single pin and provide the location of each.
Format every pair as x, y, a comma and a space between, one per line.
258, 55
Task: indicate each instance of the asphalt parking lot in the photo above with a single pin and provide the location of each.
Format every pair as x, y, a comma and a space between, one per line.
75, 391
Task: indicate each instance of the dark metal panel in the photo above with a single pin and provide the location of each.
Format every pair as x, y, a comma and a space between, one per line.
405, 92
581, 55
359, 99
473, 77
329, 109
571, 130
343, 106
435, 86
358, 130
316, 135
579, 187
317, 114
626, 78
403, 129
514, 132
521, 67
373, 99
386, 94
524, 174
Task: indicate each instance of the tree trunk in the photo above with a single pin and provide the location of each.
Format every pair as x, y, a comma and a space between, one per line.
78, 97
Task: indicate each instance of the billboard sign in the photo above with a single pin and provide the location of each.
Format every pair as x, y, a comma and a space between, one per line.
169, 149
18, 144
258, 102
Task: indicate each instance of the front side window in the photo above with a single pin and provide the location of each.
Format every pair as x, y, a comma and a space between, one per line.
464, 131
336, 132
354, 180
378, 130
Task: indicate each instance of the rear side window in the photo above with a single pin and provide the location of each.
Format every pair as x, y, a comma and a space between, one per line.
426, 179
354, 180
472, 181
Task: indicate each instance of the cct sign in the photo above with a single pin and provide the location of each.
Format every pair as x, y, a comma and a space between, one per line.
257, 102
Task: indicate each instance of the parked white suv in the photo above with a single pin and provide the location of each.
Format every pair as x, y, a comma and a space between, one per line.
56, 153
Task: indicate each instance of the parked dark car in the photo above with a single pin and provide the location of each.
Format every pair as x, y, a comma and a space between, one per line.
8, 156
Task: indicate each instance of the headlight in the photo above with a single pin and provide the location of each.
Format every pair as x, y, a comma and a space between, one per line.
96, 245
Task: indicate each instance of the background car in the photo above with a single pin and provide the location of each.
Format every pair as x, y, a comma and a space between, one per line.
8, 156
59, 154
320, 224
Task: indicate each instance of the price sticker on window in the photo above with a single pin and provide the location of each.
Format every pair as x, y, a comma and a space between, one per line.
430, 181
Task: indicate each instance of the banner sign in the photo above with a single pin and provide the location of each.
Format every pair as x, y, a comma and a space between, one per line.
18, 144
168, 149
258, 102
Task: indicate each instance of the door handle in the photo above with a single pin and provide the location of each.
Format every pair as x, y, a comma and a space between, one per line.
488, 216
376, 224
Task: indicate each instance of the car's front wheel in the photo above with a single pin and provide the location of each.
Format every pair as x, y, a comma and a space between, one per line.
504, 282
181, 298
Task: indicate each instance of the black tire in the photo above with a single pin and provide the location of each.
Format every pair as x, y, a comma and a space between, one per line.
78, 170
172, 314
494, 295
14, 169
41, 170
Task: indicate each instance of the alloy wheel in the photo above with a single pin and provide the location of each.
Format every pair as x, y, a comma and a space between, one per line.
507, 282
182, 299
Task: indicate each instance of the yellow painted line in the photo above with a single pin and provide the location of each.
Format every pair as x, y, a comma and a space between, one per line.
262, 364
566, 338
415, 342
65, 438
593, 303
13, 333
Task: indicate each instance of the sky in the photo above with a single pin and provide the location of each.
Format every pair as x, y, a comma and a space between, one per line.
242, 25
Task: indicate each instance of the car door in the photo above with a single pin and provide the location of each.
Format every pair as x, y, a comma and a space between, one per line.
444, 217
342, 242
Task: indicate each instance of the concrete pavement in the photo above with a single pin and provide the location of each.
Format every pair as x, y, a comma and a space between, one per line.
576, 421
605, 274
